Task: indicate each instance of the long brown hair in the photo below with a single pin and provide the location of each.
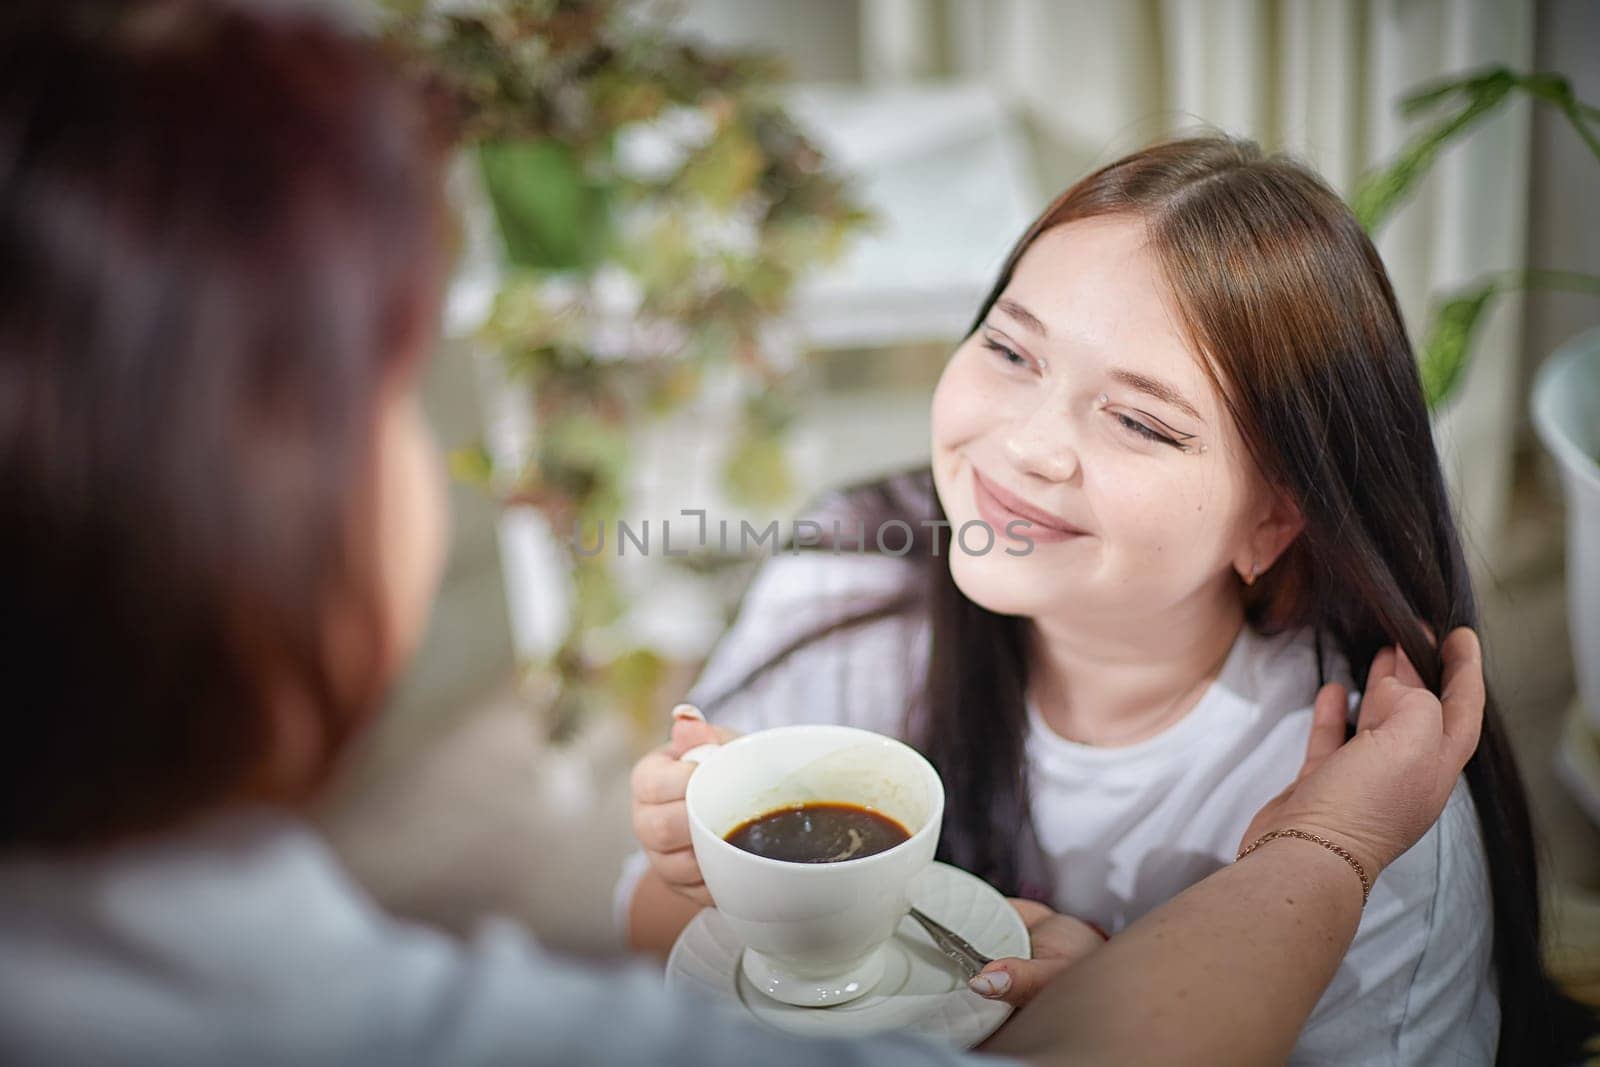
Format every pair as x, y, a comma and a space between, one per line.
219, 243
1288, 303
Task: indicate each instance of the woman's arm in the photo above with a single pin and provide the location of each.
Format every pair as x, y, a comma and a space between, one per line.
1224, 973
1228, 971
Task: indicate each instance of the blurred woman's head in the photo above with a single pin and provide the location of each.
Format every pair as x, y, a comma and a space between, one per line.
220, 245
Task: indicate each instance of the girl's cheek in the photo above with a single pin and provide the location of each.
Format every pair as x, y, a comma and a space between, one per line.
958, 401
1193, 526
1161, 511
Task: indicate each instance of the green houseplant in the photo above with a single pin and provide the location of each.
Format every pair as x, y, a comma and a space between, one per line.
1458, 105
654, 207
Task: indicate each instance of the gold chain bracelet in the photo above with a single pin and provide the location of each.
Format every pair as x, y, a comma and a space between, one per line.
1338, 850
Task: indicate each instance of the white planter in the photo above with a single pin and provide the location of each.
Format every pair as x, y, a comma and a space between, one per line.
1566, 413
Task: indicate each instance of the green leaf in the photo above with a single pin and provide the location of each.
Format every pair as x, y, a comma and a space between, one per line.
583, 441
550, 215
472, 465
679, 384
1380, 192
597, 601
663, 259
1557, 91
1470, 85
632, 682
622, 101
1576, 113
726, 169
1449, 342
757, 471
1551, 88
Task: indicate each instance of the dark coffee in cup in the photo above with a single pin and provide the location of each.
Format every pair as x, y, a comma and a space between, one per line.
818, 833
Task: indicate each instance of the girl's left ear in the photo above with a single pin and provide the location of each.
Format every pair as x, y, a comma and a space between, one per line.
1274, 531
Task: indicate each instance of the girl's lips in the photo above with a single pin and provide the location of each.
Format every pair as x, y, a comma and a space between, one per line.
999, 508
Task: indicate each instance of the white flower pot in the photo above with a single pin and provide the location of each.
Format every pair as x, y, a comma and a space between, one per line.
1566, 413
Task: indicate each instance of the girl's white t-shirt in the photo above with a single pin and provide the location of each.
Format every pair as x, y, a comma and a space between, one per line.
1123, 830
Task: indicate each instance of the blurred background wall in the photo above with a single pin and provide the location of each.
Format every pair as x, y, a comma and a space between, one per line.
959, 119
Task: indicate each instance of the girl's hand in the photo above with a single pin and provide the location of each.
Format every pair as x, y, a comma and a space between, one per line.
1378, 793
660, 818
1059, 941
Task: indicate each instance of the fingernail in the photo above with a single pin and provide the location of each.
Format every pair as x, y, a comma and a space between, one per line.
991, 984
687, 711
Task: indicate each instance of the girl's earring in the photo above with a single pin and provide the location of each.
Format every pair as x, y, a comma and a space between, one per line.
1252, 579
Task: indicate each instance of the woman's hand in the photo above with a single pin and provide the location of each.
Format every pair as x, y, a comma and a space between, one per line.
1378, 793
1059, 941
660, 818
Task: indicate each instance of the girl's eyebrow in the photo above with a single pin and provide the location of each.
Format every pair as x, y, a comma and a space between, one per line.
1022, 315
1156, 388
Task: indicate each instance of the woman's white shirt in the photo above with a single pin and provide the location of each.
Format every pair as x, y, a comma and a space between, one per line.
1125, 829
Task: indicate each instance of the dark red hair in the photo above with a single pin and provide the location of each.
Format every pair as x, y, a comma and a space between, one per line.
219, 245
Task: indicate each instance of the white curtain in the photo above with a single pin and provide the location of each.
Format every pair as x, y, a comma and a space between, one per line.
1319, 78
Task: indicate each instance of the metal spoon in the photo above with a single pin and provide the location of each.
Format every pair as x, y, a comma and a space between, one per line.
953, 945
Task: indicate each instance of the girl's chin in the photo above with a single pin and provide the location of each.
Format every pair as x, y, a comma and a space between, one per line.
1005, 585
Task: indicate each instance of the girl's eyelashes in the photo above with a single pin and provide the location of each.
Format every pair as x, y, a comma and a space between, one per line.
1007, 355
1144, 431
1166, 435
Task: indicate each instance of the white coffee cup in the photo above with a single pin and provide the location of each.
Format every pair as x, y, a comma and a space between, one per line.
814, 932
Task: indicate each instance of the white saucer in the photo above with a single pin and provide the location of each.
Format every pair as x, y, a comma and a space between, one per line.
920, 989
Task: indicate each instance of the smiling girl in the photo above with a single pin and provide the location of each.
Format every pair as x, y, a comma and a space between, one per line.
1190, 416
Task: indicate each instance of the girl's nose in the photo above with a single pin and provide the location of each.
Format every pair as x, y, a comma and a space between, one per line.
1040, 444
